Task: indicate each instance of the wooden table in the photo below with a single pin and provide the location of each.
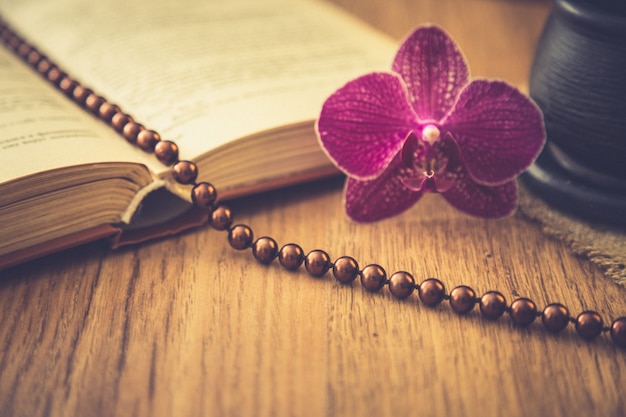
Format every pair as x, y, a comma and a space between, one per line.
188, 327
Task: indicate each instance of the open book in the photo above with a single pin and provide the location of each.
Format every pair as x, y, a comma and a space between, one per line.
236, 84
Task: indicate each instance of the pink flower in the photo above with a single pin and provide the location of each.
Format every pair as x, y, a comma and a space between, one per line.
424, 127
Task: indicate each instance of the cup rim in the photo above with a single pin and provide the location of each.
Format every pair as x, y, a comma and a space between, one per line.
584, 12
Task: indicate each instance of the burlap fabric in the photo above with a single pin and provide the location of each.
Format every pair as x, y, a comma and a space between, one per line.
602, 244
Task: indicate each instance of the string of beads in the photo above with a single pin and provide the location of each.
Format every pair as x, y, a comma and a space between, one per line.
431, 292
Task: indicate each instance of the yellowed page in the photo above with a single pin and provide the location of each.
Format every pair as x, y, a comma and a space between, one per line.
205, 72
42, 130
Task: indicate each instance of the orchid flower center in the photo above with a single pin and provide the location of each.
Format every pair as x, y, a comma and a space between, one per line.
428, 158
431, 135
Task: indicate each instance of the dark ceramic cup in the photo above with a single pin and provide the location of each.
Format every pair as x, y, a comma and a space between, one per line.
578, 79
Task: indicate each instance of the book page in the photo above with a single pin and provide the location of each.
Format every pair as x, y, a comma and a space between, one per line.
42, 130
205, 72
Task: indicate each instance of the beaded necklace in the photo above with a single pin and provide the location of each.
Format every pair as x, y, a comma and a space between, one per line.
555, 317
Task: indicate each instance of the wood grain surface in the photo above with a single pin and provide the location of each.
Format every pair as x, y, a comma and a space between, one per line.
189, 327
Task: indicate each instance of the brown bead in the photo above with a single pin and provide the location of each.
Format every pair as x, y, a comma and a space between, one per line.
492, 305
373, 277
618, 332
264, 250
589, 325
34, 57
147, 140
291, 256
55, 75
166, 152
107, 110
317, 263
6, 34
129, 129
203, 194
401, 284
185, 172
345, 269
93, 102
14, 42
431, 292
462, 299
555, 317
24, 50
523, 311
11, 40
43, 66
80, 94
120, 120
67, 86
221, 218
240, 237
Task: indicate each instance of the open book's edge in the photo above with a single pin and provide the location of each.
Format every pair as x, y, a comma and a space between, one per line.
138, 198
116, 235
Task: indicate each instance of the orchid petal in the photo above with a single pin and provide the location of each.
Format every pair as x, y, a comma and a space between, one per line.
481, 200
363, 125
434, 70
412, 150
498, 130
382, 197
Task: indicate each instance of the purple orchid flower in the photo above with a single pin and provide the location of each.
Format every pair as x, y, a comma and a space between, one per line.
424, 127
